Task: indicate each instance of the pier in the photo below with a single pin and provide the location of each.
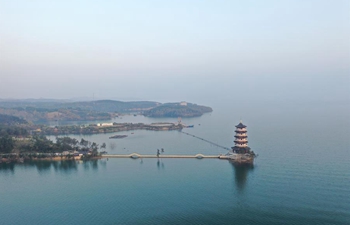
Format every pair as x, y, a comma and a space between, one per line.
136, 156
203, 139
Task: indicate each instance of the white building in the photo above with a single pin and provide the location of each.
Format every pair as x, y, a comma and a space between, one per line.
104, 124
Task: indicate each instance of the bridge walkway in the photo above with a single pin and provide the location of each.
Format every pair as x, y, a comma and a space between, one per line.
136, 155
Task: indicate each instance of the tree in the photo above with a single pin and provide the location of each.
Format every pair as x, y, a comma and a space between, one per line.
94, 147
42, 144
84, 143
6, 144
66, 143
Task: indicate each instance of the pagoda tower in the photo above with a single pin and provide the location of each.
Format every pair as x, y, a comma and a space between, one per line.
241, 139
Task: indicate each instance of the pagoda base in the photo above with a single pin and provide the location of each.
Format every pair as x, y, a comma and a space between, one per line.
243, 161
239, 158
241, 150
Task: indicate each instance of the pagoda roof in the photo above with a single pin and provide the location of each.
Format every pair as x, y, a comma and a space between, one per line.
243, 136
241, 125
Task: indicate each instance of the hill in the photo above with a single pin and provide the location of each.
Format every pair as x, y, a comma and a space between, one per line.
40, 111
177, 110
9, 120
98, 106
111, 106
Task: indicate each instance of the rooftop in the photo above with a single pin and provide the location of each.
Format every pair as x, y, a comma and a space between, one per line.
241, 125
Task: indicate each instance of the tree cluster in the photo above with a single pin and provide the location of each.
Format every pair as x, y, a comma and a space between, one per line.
13, 131
6, 144
41, 144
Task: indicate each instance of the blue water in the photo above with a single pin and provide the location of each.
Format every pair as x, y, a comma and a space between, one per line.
300, 177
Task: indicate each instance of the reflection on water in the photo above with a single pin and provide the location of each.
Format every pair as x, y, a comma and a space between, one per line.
91, 164
160, 164
7, 167
42, 166
241, 174
66, 166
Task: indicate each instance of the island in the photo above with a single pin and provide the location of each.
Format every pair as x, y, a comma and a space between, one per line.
104, 128
182, 109
23, 125
22, 140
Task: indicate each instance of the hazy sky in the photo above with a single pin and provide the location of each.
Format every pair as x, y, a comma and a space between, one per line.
174, 50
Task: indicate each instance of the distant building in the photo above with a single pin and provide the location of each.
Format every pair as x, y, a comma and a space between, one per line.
183, 103
83, 152
104, 124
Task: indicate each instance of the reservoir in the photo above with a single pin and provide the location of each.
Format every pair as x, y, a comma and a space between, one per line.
301, 175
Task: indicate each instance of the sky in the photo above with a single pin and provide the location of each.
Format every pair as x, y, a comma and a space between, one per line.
198, 51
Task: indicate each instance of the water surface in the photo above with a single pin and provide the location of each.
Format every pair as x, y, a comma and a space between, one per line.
300, 177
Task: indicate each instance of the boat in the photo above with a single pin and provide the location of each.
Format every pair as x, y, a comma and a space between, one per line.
118, 136
190, 126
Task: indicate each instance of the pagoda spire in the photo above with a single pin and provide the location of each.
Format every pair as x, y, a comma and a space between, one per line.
241, 139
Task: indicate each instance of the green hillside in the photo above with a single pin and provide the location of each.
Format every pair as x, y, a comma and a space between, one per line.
177, 110
9, 120
40, 111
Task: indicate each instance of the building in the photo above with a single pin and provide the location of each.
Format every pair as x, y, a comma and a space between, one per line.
241, 139
183, 103
104, 124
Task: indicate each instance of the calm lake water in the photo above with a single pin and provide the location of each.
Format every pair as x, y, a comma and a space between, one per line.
300, 177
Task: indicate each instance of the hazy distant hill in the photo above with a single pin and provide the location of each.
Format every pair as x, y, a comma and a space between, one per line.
41, 115
61, 110
11, 120
99, 106
112, 106
46, 110
177, 110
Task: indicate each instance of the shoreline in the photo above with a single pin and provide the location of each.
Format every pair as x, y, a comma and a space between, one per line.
106, 128
52, 159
